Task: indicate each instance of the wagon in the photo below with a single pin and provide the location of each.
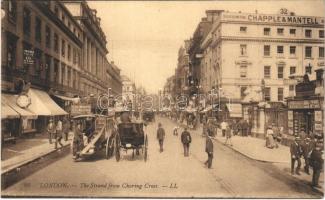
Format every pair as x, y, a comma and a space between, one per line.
131, 136
148, 115
96, 133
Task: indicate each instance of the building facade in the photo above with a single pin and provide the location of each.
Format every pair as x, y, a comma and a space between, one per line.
95, 66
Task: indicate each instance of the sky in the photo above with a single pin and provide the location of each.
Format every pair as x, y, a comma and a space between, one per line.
144, 36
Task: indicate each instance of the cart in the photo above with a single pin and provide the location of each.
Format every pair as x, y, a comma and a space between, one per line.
148, 115
131, 136
97, 130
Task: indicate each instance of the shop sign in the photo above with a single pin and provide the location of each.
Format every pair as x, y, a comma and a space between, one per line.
318, 116
28, 57
305, 104
318, 127
265, 18
80, 109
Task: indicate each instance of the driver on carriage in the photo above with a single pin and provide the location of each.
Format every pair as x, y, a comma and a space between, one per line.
90, 128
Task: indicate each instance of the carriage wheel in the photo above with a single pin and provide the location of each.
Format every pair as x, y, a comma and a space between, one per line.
108, 149
117, 149
145, 148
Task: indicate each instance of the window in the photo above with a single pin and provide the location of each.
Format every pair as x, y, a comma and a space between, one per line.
48, 37
308, 69
74, 53
11, 53
267, 31
307, 33
321, 52
56, 43
267, 50
243, 71
280, 94
27, 21
56, 71
292, 31
12, 10
267, 94
243, 49
308, 52
242, 92
280, 31
63, 18
63, 48
74, 30
38, 31
292, 70
280, 71
291, 87
47, 66
56, 11
243, 29
38, 61
69, 25
280, 50
69, 52
267, 71
321, 33
292, 50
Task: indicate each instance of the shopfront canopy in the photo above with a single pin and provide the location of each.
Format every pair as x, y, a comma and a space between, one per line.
43, 105
74, 100
235, 110
10, 101
7, 112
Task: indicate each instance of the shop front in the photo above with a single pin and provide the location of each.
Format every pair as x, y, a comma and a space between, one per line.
306, 115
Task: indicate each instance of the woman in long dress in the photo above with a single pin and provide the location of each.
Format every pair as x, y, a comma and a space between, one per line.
269, 138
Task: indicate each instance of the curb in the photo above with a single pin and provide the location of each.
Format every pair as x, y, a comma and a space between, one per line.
26, 162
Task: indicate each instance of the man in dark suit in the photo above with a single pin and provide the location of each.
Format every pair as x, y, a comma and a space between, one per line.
186, 140
209, 150
317, 161
307, 148
161, 137
295, 151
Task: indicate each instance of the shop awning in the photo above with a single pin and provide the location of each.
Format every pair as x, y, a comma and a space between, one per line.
10, 100
43, 105
7, 112
74, 100
235, 110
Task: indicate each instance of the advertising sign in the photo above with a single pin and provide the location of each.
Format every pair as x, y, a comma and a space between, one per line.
28, 57
80, 109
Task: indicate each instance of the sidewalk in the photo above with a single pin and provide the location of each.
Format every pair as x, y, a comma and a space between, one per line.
254, 148
27, 150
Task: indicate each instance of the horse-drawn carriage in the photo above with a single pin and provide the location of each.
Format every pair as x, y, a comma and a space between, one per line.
148, 115
92, 134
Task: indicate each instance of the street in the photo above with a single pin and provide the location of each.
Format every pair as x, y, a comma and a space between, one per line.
166, 174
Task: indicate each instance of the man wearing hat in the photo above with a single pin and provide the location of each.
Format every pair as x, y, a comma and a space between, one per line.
161, 137
186, 140
50, 130
295, 150
317, 161
307, 147
209, 150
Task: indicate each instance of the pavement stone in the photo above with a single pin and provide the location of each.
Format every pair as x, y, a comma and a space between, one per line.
38, 147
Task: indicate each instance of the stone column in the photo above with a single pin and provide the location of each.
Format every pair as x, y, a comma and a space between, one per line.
84, 53
51, 70
261, 128
60, 72
89, 57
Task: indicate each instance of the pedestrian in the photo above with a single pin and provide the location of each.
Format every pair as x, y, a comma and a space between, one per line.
186, 140
223, 127
245, 128
209, 150
77, 140
59, 132
317, 161
228, 136
50, 130
295, 151
66, 129
175, 130
307, 148
161, 137
269, 139
275, 135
